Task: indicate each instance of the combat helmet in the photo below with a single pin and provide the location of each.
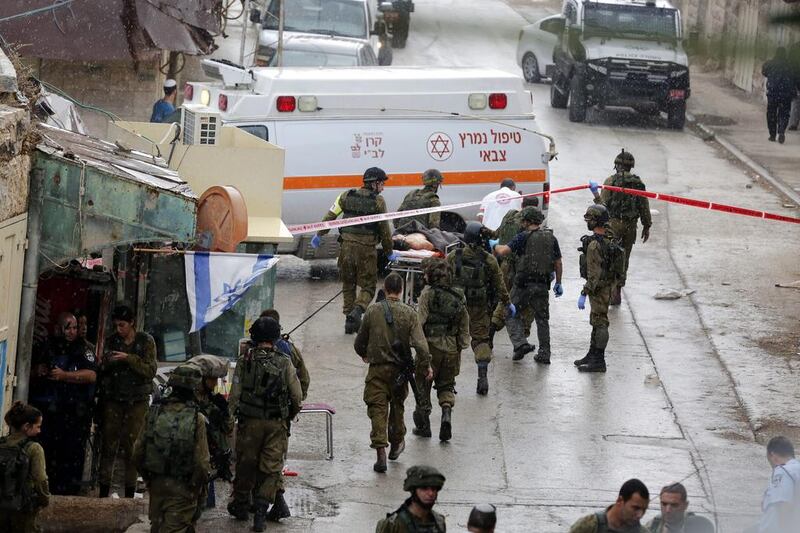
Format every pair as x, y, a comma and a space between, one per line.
210, 366
373, 174
437, 270
432, 177
472, 233
185, 377
625, 160
265, 329
596, 215
532, 214
420, 476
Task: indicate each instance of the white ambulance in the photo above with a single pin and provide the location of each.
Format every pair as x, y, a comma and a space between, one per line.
475, 125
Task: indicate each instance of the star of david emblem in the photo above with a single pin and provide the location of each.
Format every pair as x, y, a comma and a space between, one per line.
440, 146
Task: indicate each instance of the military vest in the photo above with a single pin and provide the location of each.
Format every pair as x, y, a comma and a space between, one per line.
170, 438
15, 470
621, 205
444, 306
613, 257
536, 264
357, 203
509, 227
410, 525
119, 381
265, 393
602, 522
470, 274
418, 199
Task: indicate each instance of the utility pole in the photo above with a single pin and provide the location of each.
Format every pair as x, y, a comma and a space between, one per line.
245, 21
281, 17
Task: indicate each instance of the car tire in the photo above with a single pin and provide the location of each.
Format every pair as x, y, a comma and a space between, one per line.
400, 35
385, 55
577, 99
558, 99
530, 68
676, 115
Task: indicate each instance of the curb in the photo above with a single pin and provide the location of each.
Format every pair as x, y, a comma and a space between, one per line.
708, 134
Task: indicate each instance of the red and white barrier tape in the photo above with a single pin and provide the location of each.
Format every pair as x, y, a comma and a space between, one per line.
313, 227
702, 204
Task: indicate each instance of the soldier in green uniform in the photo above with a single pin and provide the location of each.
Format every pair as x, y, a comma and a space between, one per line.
416, 515
445, 321
24, 490
624, 210
510, 226
477, 273
422, 198
601, 264
126, 382
219, 427
172, 454
286, 346
358, 258
264, 397
537, 257
389, 327
621, 517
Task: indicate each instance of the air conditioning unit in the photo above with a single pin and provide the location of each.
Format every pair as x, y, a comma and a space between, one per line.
200, 127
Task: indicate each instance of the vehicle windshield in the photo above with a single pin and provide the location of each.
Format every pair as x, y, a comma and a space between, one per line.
328, 17
618, 20
307, 58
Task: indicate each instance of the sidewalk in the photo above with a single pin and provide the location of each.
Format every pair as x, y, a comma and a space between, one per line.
740, 119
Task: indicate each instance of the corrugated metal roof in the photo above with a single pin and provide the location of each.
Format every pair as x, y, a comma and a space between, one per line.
113, 159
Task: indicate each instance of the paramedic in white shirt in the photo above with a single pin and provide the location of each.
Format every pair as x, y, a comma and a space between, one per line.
495, 205
781, 504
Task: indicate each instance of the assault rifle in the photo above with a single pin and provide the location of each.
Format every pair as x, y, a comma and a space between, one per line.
402, 353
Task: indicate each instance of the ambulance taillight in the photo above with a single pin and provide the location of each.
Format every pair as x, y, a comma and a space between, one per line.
222, 102
188, 91
286, 104
498, 101
546, 196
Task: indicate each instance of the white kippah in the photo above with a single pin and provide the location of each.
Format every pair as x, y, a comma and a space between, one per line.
170, 83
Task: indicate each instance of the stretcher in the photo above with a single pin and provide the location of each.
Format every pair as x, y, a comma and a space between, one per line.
409, 265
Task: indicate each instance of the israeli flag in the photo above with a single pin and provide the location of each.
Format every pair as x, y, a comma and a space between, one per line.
216, 281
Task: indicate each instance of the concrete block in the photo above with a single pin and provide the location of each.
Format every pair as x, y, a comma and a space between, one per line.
90, 515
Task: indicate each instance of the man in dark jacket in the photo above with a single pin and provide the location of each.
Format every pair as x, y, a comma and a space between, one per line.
781, 88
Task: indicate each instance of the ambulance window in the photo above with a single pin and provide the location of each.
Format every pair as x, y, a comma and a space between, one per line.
258, 131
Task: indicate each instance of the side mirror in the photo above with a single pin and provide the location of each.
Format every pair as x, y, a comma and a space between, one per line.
255, 15
385, 6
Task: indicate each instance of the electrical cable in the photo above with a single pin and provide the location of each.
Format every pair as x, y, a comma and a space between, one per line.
309, 317
56, 4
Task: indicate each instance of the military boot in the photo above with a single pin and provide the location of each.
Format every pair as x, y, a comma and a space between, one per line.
542, 357
483, 380
422, 421
446, 429
260, 516
520, 352
280, 509
238, 510
396, 449
380, 463
585, 359
597, 363
616, 296
354, 320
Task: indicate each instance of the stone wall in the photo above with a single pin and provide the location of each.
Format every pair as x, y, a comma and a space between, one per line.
14, 162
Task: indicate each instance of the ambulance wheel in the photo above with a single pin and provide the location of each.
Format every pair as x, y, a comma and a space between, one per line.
385, 55
558, 99
400, 34
676, 115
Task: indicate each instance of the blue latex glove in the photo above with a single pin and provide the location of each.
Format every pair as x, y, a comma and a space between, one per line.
315, 241
594, 187
512, 310
493, 243
558, 290
582, 302
392, 257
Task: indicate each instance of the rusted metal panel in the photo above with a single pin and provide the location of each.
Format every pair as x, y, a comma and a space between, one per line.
94, 199
103, 30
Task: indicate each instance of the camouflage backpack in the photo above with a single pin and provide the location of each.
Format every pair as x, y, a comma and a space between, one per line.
169, 440
622, 205
265, 394
445, 305
15, 468
613, 257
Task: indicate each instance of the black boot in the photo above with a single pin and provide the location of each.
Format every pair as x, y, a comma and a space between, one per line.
239, 510
483, 381
353, 320
260, 517
396, 449
446, 429
130, 491
380, 463
597, 363
542, 357
104, 491
585, 359
422, 421
280, 509
520, 352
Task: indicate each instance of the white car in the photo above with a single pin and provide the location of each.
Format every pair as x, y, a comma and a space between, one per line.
535, 47
319, 51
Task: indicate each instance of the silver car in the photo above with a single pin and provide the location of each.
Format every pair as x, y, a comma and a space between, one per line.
318, 51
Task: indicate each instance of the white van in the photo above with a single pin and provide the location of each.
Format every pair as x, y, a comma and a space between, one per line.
475, 125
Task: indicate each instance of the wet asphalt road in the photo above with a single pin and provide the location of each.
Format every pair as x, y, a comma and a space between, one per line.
694, 387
